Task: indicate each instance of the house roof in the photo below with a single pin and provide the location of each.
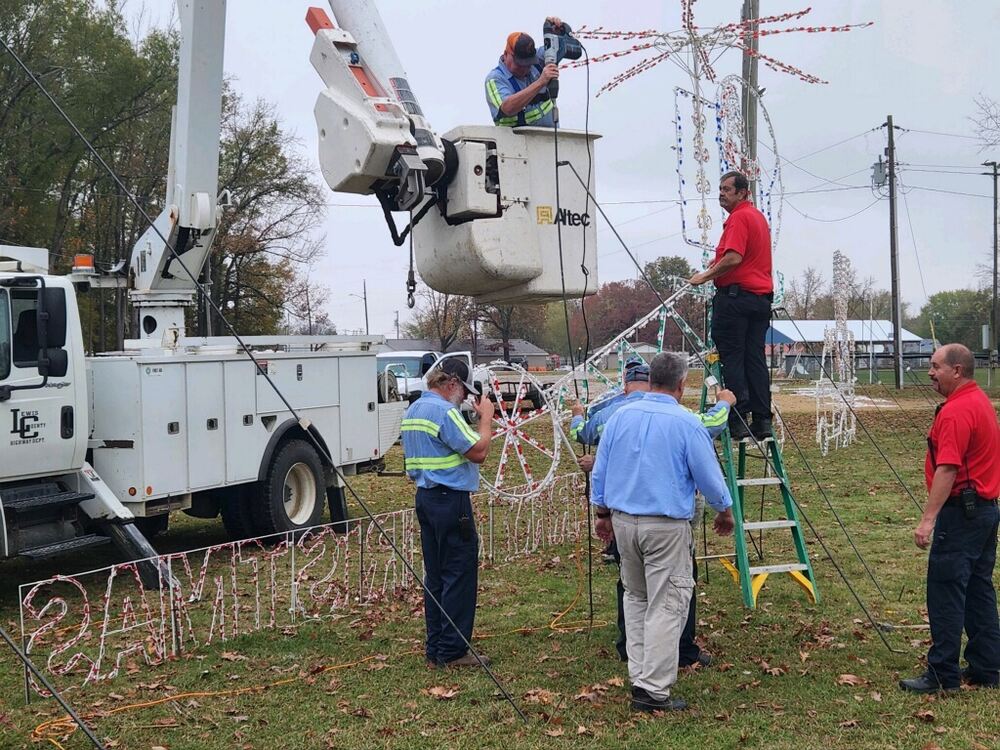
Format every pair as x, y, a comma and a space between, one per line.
814, 330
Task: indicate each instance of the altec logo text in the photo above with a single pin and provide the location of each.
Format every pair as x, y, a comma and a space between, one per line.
564, 216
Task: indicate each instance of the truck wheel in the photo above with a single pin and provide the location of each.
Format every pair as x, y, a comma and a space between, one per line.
292, 494
236, 506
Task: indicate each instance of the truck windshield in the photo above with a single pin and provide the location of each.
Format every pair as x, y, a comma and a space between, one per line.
407, 367
4, 335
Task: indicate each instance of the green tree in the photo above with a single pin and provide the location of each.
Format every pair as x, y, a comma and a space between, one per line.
957, 317
663, 271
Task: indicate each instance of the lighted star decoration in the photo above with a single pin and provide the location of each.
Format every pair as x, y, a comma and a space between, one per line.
700, 43
696, 50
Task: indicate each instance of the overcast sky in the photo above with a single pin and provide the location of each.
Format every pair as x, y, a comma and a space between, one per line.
923, 62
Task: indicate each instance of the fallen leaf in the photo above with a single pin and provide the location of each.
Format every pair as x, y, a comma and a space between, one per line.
616, 682
876, 696
931, 746
541, 695
849, 724
925, 715
442, 693
232, 656
556, 732
850, 679
583, 730
169, 721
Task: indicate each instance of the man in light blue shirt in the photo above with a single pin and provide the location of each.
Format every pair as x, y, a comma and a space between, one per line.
589, 432
653, 455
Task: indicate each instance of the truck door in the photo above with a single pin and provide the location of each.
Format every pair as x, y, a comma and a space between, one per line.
37, 426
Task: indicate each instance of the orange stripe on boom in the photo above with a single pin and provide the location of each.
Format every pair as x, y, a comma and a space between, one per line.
318, 19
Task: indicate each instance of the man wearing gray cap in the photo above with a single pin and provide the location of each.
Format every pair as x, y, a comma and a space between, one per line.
653, 456
442, 456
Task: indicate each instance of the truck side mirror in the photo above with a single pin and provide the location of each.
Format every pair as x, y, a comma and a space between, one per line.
53, 362
54, 304
426, 363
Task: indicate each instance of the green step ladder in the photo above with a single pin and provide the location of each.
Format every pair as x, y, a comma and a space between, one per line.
751, 578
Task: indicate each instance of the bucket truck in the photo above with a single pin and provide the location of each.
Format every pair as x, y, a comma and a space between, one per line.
103, 448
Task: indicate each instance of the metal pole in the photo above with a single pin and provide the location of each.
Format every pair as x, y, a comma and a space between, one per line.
397, 324
751, 12
364, 296
897, 337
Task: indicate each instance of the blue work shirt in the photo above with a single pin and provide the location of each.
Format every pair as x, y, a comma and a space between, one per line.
436, 438
653, 455
501, 83
589, 431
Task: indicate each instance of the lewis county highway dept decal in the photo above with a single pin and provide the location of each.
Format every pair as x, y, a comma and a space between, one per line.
26, 427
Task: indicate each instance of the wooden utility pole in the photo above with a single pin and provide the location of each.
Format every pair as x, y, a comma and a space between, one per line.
994, 338
751, 12
897, 337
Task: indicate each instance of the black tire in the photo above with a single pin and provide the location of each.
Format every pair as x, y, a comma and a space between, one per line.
151, 526
236, 507
293, 493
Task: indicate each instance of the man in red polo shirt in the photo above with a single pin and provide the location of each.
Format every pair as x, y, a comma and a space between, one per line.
741, 310
962, 470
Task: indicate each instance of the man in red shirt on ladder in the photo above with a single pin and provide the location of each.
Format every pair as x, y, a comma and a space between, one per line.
741, 309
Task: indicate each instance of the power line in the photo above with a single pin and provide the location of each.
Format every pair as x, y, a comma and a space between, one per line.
946, 135
950, 192
831, 221
834, 145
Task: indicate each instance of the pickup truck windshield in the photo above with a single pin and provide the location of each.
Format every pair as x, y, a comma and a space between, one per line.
4, 335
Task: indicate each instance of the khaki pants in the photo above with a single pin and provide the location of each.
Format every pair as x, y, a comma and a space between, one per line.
656, 572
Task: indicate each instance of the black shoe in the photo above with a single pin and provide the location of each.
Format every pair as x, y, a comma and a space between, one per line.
979, 679
704, 660
761, 429
738, 429
608, 554
643, 701
925, 683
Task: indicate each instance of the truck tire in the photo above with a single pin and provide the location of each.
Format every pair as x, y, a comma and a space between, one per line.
236, 507
293, 493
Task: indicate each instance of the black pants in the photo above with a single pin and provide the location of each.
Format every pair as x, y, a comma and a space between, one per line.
739, 326
451, 569
688, 650
960, 594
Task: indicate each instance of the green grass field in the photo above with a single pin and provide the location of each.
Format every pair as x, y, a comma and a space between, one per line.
789, 675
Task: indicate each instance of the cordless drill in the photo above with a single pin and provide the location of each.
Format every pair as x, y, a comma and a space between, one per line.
559, 45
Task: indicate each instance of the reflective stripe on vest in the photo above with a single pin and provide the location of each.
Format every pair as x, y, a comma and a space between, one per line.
421, 425
436, 462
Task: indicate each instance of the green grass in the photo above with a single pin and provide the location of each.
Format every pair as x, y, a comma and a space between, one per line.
778, 680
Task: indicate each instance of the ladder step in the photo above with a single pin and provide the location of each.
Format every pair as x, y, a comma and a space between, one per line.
29, 502
755, 570
759, 482
80, 542
755, 525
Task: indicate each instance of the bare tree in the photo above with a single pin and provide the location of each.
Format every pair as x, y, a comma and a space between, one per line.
440, 316
804, 293
986, 121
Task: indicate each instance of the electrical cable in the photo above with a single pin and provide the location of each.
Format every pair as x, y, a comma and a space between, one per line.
759, 445
74, 716
828, 221
317, 444
860, 422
